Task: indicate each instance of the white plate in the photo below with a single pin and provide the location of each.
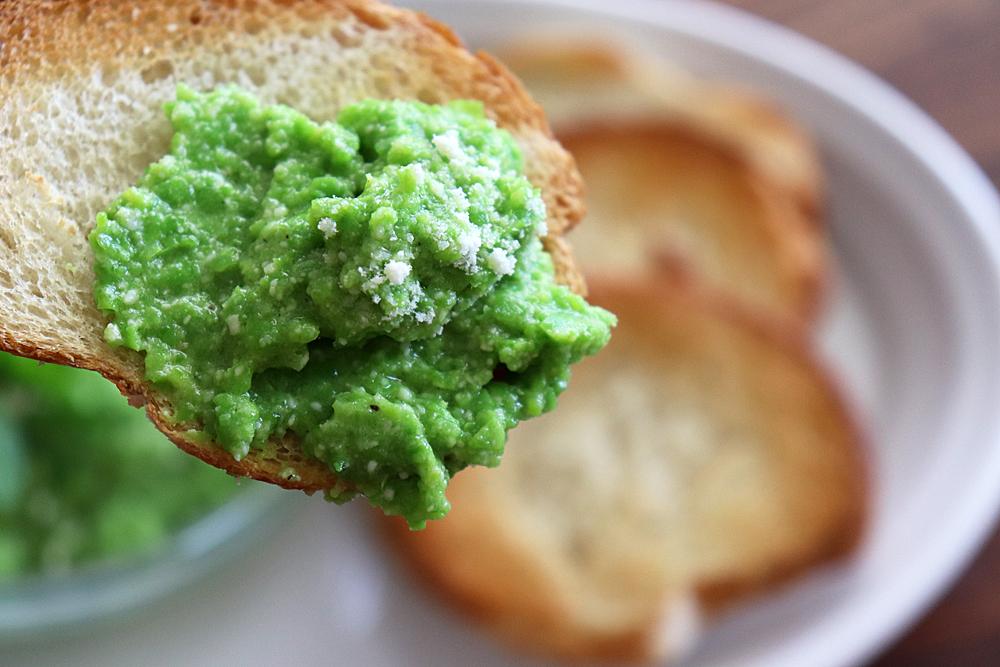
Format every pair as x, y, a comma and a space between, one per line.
913, 332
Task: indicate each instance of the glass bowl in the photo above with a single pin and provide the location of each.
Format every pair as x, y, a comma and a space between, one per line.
37, 606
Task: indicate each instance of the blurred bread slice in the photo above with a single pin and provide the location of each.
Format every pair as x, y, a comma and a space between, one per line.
581, 78
697, 172
702, 456
664, 191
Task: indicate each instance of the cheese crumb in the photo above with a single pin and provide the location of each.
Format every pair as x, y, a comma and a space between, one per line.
113, 334
328, 226
234, 324
396, 272
449, 146
436, 188
501, 263
468, 245
418, 173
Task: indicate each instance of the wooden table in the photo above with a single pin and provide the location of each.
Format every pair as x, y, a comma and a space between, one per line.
944, 55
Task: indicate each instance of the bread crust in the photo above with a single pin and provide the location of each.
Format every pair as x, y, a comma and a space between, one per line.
46, 43
44, 40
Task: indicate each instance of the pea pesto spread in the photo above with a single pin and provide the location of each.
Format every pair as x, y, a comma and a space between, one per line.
375, 285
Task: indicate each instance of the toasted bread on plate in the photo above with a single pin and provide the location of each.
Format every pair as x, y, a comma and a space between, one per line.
704, 455
694, 171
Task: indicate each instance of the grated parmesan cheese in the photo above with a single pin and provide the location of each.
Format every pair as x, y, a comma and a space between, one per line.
397, 272
501, 263
328, 226
449, 145
468, 245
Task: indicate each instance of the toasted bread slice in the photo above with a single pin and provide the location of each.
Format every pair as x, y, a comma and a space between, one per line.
701, 456
81, 91
662, 191
694, 171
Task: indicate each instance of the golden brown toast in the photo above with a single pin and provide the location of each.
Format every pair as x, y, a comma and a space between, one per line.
703, 455
662, 192
678, 168
81, 91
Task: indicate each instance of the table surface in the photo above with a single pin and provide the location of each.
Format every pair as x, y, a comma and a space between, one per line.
945, 56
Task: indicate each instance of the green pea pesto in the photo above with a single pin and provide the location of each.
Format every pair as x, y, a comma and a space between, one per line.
84, 477
376, 285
